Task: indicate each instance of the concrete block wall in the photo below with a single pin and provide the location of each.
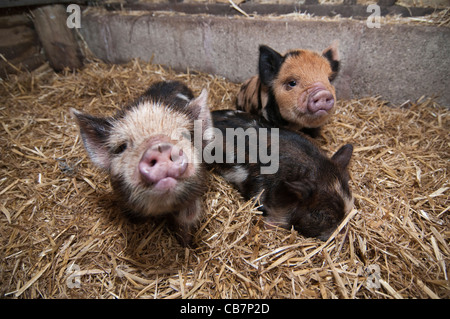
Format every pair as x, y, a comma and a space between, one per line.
397, 61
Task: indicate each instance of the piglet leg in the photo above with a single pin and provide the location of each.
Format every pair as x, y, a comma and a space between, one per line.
185, 222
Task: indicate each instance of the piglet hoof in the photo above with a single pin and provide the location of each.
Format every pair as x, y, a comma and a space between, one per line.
185, 238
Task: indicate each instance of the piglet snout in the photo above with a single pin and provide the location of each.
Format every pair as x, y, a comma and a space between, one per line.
320, 99
162, 164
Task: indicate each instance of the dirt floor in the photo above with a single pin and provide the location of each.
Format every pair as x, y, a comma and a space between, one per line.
62, 236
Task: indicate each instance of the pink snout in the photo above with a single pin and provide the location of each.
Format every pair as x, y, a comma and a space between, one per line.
162, 164
320, 100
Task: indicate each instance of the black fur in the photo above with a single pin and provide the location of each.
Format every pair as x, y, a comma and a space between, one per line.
269, 64
273, 111
166, 93
334, 64
303, 191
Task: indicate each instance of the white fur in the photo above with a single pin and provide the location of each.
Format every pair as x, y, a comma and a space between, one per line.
237, 174
183, 97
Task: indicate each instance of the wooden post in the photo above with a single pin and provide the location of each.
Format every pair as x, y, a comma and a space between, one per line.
58, 41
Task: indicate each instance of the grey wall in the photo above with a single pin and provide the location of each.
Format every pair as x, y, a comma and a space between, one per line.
398, 62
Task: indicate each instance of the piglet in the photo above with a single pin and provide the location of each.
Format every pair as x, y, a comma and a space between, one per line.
294, 89
147, 149
297, 184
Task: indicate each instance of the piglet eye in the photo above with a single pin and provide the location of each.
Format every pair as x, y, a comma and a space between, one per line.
291, 84
119, 149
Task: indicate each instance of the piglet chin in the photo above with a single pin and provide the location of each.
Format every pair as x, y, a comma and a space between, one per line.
166, 184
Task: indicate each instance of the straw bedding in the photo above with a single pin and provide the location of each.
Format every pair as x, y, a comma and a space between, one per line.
63, 236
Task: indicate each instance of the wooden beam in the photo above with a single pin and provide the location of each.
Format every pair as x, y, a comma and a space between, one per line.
59, 42
26, 3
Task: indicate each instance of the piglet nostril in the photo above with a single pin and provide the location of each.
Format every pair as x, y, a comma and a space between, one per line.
176, 154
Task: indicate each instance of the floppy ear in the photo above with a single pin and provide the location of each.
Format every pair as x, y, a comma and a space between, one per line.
269, 64
332, 55
94, 133
342, 156
303, 189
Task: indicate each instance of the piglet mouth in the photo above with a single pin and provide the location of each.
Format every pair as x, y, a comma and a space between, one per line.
165, 184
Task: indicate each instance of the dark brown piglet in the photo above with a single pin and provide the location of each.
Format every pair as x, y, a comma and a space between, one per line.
147, 150
303, 187
293, 90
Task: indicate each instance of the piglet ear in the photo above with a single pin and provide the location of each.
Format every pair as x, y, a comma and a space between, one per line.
342, 156
94, 132
303, 189
200, 110
332, 55
269, 64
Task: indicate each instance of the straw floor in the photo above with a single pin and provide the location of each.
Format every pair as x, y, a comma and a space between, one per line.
62, 236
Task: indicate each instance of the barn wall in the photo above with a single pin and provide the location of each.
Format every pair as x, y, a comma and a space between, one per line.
399, 62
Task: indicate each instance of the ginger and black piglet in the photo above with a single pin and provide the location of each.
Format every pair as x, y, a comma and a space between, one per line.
293, 90
298, 184
147, 149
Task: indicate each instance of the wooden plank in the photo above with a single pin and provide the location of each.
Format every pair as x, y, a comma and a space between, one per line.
25, 3
16, 40
58, 41
13, 20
